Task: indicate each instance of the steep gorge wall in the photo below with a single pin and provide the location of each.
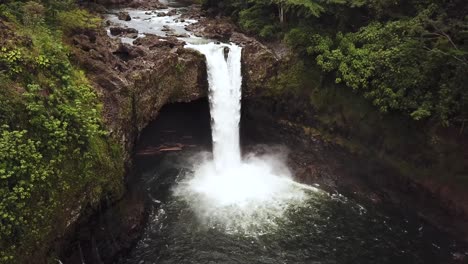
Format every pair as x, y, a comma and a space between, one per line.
413, 165
136, 81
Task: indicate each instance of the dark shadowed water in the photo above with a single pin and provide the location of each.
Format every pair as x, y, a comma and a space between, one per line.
322, 228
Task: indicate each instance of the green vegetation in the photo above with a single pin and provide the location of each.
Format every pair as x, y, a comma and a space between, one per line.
409, 57
384, 78
55, 157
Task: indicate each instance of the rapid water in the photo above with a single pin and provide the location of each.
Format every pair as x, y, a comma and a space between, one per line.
321, 228
241, 194
225, 81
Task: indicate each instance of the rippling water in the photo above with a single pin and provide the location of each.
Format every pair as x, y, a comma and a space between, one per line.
323, 228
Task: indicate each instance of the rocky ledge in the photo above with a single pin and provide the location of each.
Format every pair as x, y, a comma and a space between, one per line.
135, 81
259, 63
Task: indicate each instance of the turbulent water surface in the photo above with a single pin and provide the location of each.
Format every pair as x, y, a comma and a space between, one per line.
318, 228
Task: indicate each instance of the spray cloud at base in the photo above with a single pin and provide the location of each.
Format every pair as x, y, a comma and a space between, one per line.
241, 194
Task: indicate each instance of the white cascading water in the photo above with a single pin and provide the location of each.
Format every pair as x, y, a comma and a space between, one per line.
240, 194
225, 81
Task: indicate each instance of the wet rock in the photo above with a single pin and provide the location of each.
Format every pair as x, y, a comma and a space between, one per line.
153, 42
124, 16
132, 35
147, 69
119, 31
161, 14
226, 53
177, 35
127, 52
82, 41
172, 12
258, 61
219, 28
167, 29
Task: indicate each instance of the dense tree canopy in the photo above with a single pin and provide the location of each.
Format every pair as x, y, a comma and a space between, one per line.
404, 56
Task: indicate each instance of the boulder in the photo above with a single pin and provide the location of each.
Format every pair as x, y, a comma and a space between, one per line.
154, 42
219, 28
167, 29
127, 52
177, 35
132, 35
172, 12
120, 31
125, 16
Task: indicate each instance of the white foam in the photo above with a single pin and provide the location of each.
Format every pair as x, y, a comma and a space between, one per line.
240, 195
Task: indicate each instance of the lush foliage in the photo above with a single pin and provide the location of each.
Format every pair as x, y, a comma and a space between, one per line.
54, 155
385, 78
409, 57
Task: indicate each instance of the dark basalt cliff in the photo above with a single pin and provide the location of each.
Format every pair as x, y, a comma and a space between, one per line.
135, 81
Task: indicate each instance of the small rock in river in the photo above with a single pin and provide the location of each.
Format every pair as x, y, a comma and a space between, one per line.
132, 35
226, 52
116, 31
172, 12
124, 16
178, 35
167, 29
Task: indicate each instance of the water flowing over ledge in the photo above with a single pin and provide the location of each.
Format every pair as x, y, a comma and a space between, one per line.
245, 195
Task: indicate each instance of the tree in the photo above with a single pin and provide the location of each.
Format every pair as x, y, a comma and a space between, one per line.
306, 7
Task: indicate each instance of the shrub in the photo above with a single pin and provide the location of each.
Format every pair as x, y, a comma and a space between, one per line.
75, 20
33, 13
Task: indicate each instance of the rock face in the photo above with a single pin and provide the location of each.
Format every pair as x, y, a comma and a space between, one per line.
259, 63
136, 81
214, 28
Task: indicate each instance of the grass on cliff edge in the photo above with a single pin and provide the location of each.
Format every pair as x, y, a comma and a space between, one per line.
55, 156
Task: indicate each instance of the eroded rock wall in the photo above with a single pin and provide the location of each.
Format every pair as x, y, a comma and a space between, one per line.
135, 81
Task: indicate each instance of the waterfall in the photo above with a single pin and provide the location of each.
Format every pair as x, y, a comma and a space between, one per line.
239, 193
225, 81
